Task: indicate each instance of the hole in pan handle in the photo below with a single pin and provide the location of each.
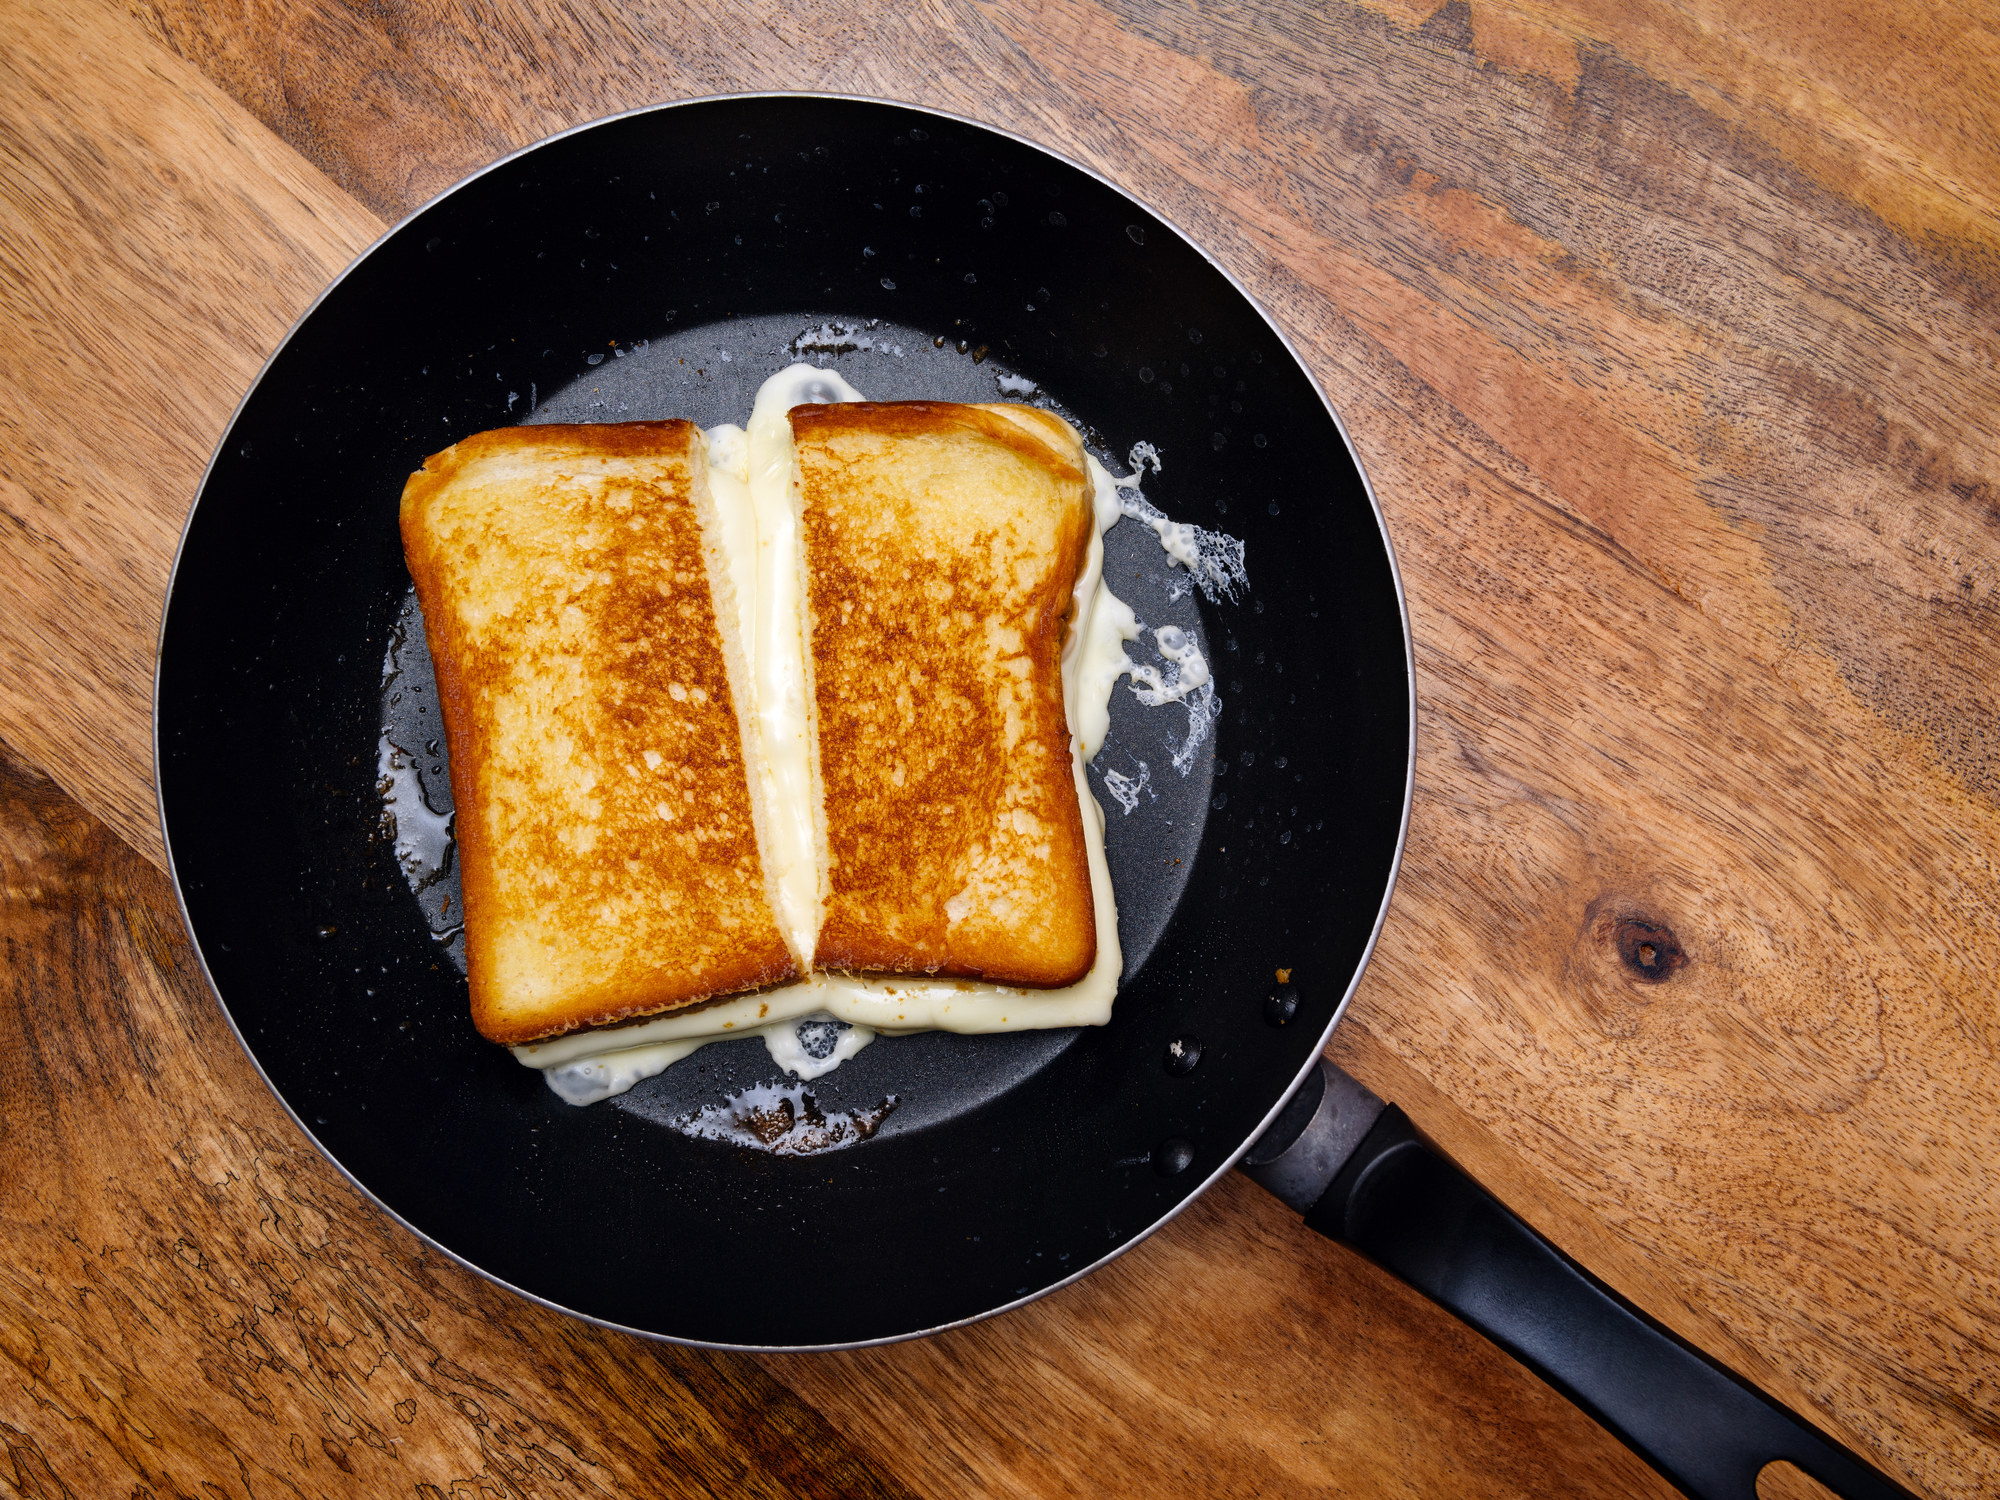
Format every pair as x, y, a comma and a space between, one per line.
1362, 1175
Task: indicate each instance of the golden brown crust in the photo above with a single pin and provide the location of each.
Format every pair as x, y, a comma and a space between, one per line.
606, 845
942, 546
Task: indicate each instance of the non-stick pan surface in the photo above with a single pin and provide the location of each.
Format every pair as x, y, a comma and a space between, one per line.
661, 264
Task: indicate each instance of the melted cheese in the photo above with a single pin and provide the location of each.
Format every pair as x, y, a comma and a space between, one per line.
772, 623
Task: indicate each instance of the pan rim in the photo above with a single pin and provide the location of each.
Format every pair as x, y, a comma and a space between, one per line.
1409, 670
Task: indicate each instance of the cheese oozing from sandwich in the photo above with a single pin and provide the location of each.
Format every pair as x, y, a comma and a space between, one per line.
755, 490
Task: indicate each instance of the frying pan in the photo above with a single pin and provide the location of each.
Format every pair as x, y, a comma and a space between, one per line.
663, 263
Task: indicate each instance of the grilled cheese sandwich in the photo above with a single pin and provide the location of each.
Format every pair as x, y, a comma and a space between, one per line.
1018, 846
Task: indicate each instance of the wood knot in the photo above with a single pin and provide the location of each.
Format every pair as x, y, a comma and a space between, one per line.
1649, 950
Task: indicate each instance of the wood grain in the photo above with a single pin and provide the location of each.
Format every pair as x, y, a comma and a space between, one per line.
1783, 1481
1667, 333
158, 242
192, 1301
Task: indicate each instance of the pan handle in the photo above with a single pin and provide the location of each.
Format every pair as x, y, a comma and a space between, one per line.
1398, 1201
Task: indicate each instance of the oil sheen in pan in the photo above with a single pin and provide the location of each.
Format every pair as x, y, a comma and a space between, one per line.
1154, 815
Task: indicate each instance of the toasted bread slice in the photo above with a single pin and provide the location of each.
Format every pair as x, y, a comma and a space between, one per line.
941, 547
607, 835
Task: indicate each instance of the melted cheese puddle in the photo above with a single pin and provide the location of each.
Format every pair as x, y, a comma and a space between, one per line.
750, 474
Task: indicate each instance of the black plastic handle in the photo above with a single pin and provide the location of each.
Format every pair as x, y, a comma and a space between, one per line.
1410, 1210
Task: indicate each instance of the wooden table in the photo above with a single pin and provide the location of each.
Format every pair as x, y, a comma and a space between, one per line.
1670, 336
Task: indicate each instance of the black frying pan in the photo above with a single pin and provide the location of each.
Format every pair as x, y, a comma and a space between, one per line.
662, 264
